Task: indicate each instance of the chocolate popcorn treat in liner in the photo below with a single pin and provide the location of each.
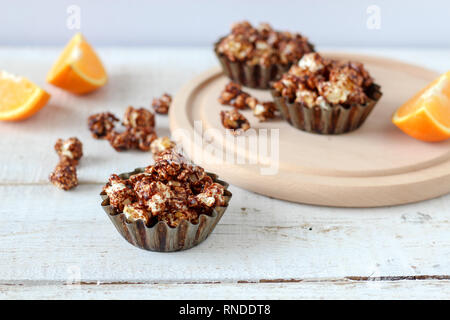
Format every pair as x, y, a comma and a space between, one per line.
169, 206
254, 57
326, 96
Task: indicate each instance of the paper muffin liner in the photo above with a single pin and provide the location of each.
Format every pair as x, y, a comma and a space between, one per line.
335, 119
253, 76
161, 237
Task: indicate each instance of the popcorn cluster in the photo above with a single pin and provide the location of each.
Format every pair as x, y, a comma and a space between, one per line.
70, 151
101, 124
234, 120
162, 105
316, 80
233, 95
160, 145
171, 190
139, 130
263, 45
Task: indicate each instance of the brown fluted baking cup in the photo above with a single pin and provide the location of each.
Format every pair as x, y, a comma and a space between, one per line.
161, 237
333, 120
253, 76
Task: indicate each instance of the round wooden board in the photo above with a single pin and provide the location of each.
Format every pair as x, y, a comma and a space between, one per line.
376, 165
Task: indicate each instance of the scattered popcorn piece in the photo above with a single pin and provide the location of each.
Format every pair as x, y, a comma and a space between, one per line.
264, 111
132, 138
234, 120
121, 141
233, 95
64, 176
101, 124
141, 117
162, 105
143, 138
70, 149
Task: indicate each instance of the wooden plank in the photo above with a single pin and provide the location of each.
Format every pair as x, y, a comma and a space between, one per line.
47, 233
339, 289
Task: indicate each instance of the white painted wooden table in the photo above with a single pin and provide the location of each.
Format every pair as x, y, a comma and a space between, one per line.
262, 248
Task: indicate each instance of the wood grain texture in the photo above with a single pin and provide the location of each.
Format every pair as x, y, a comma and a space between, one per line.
333, 289
46, 234
271, 239
375, 165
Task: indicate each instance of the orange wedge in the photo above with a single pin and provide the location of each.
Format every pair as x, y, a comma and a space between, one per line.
19, 97
426, 116
78, 69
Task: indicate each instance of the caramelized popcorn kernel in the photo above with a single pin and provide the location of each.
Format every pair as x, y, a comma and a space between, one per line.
160, 145
141, 117
101, 124
121, 141
162, 105
312, 62
233, 95
64, 176
307, 97
119, 193
264, 111
134, 212
132, 138
234, 120
342, 89
212, 195
138, 177
174, 219
159, 195
143, 137
70, 149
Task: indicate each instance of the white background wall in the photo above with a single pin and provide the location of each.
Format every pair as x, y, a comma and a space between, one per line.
199, 22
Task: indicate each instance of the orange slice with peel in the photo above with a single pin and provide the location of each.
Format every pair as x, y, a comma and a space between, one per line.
19, 97
426, 116
78, 69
